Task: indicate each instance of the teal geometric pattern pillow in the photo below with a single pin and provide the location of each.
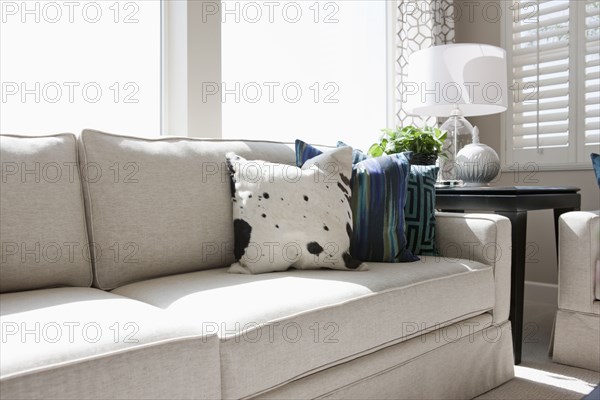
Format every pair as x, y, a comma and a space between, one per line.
419, 212
379, 187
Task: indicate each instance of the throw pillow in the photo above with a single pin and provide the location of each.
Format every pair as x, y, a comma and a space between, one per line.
419, 211
596, 164
357, 155
285, 216
378, 200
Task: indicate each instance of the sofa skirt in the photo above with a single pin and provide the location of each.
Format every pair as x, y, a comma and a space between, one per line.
459, 361
577, 339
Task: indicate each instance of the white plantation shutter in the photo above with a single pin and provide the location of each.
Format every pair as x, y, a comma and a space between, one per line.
553, 118
592, 76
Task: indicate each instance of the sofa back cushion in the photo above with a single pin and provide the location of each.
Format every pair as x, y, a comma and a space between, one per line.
161, 206
43, 235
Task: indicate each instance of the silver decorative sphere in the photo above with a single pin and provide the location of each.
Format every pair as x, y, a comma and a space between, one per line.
477, 164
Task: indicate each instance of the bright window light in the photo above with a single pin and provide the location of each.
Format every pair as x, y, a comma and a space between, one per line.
548, 378
314, 70
66, 66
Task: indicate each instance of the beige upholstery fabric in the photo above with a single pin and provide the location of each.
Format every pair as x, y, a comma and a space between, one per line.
162, 207
597, 280
460, 361
579, 249
44, 241
484, 238
577, 339
86, 343
167, 208
577, 325
277, 327
167, 370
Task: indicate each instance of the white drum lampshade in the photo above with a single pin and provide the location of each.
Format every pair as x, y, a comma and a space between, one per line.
469, 76
456, 81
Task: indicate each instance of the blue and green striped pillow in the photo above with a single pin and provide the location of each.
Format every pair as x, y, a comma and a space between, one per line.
379, 187
419, 211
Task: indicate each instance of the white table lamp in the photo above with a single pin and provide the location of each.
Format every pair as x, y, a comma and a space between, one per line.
456, 81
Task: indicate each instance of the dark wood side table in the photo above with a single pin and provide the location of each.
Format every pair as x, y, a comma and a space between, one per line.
512, 202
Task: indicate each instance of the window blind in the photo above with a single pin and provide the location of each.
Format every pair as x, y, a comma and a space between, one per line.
541, 73
592, 73
555, 73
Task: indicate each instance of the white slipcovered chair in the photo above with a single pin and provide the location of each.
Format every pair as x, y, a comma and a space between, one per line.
577, 324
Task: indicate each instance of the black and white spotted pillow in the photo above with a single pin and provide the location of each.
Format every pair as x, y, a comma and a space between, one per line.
285, 216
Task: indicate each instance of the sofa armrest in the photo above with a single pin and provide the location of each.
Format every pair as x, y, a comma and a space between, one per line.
579, 249
484, 238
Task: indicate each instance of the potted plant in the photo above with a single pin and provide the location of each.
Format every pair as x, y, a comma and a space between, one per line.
426, 143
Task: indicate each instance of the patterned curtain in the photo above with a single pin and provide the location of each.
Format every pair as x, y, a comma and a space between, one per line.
421, 24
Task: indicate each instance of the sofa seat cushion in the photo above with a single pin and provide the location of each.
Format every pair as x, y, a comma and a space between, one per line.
275, 328
53, 332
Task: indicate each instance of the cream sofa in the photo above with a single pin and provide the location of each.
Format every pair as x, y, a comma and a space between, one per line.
114, 284
577, 324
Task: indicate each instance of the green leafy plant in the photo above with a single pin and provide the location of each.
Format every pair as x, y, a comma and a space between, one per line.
426, 140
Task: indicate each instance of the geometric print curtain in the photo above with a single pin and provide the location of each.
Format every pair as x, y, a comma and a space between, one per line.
421, 24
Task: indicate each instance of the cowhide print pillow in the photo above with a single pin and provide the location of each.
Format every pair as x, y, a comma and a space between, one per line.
285, 216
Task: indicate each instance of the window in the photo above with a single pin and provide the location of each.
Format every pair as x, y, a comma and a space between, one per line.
66, 66
314, 70
553, 47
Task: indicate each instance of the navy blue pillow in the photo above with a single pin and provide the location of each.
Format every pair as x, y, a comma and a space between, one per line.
379, 187
595, 162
